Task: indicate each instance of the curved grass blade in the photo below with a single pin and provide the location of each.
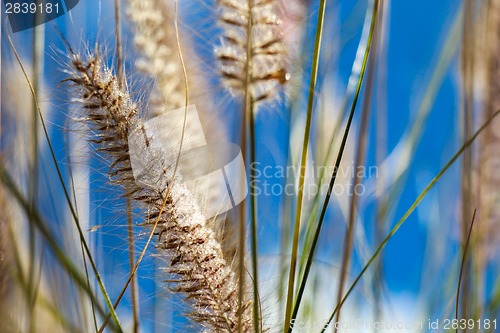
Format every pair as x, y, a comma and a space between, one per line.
359, 161
335, 170
464, 257
350, 94
408, 213
305, 147
292, 109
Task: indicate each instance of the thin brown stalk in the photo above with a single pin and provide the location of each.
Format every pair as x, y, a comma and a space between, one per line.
131, 258
467, 121
130, 229
245, 115
251, 57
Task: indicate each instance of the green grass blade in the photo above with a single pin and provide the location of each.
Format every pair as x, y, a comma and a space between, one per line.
360, 157
350, 96
464, 257
253, 221
409, 211
305, 147
310, 255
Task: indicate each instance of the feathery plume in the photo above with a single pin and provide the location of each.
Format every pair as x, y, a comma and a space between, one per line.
251, 49
154, 37
197, 267
489, 149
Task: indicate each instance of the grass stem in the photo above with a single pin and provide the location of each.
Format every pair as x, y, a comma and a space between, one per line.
303, 162
359, 162
333, 178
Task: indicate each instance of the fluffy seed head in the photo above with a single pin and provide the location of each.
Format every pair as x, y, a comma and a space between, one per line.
263, 60
197, 268
154, 37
